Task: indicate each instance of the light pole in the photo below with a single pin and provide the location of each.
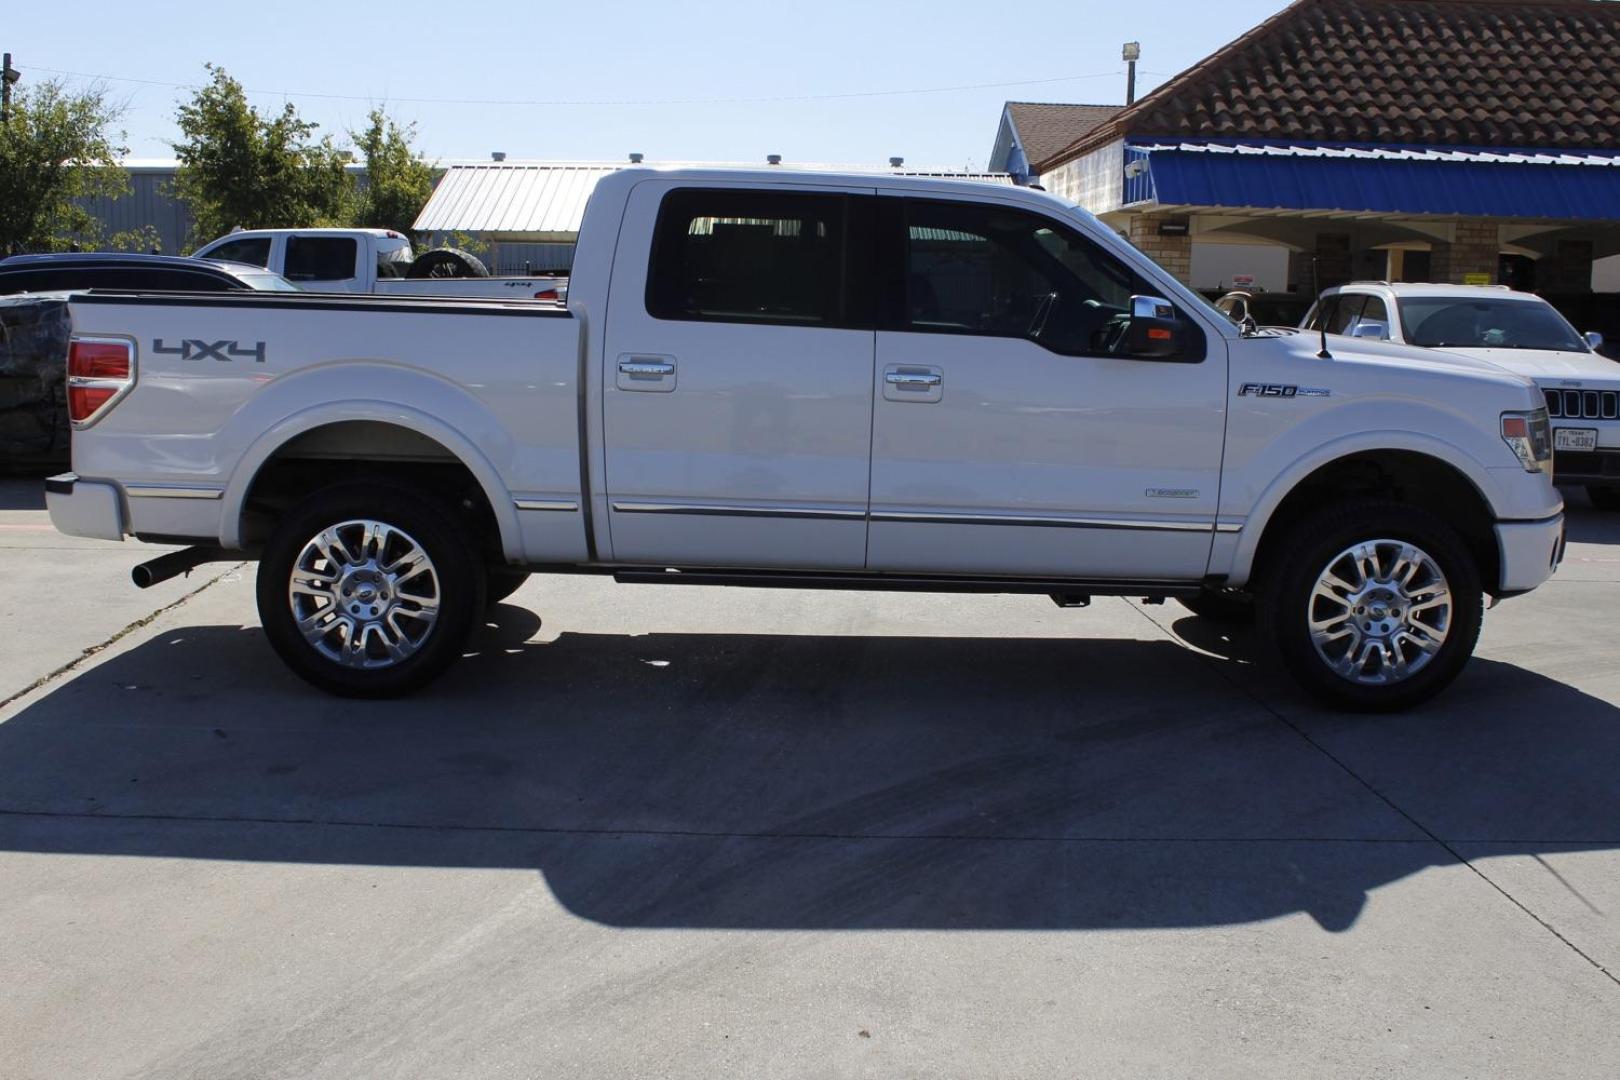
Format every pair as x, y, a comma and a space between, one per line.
8, 76
1133, 53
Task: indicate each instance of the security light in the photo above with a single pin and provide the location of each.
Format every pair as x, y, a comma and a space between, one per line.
1133, 50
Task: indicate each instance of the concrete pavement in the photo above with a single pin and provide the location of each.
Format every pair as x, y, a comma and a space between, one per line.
683, 832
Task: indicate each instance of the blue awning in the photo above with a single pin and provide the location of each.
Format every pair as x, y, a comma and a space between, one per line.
1528, 185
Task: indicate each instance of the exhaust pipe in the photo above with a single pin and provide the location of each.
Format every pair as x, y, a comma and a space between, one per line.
174, 564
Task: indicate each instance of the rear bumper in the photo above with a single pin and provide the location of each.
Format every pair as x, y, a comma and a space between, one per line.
84, 507
1530, 552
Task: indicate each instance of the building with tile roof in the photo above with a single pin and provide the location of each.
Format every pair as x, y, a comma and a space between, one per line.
1447, 140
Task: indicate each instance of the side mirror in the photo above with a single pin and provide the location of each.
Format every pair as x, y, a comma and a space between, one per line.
1155, 333
1373, 329
1594, 340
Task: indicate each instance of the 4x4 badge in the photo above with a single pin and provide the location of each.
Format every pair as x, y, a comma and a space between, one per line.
197, 349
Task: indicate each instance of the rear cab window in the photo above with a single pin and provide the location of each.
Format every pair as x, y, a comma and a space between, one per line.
735, 255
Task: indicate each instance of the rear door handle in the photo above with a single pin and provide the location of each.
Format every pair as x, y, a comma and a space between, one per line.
654, 374
646, 369
912, 380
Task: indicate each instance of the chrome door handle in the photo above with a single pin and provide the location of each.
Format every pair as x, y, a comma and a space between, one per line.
646, 369
909, 380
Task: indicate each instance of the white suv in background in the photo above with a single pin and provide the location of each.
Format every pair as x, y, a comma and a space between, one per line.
1517, 331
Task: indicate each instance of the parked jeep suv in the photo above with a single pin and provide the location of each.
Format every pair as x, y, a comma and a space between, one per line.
1517, 331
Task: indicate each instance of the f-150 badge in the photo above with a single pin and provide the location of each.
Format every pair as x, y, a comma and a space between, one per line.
1279, 390
197, 349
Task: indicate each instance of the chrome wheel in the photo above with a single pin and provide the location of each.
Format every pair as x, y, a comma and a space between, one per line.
364, 594
1380, 612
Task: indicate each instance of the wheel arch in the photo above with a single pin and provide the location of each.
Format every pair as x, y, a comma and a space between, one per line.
1420, 472
371, 436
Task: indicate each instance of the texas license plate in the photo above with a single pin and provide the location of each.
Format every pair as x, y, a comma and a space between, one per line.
1567, 438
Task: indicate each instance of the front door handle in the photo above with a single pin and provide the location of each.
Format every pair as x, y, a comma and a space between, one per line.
913, 380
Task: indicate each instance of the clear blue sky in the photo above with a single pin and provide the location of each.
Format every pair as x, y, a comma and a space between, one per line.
689, 61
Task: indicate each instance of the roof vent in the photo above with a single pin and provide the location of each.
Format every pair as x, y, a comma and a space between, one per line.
635, 159
896, 162
498, 155
773, 159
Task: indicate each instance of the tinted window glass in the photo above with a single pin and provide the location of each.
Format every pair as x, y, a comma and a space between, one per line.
320, 258
1345, 313
981, 269
740, 256
254, 251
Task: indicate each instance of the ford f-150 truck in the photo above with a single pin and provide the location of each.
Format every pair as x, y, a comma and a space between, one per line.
774, 379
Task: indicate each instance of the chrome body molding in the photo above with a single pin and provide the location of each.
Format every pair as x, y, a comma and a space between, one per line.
916, 518
812, 513
1028, 521
172, 491
555, 506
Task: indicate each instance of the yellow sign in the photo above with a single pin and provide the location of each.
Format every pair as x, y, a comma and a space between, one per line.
1477, 279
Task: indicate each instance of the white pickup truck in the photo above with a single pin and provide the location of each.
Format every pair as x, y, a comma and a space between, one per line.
372, 261
773, 379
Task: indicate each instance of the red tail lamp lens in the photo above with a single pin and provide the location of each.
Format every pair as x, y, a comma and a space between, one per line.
98, 371
98, 360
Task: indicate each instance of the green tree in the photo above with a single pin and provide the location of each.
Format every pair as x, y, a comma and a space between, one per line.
59, 147
240, 167
399, 180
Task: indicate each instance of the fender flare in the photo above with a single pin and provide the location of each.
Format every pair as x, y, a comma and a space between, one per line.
266, 445
1363, 442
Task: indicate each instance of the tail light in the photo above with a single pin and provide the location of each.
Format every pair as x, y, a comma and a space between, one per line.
546, 294
100, 371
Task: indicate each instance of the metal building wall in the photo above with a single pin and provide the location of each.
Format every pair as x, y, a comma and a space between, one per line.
150, 202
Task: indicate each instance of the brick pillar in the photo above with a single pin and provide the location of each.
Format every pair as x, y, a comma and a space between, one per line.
1333, 263
1474, 249
1174, 253
1567, 270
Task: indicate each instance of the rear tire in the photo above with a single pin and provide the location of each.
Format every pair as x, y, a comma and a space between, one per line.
1375, 607
1603, 497
370, 590
1223, 607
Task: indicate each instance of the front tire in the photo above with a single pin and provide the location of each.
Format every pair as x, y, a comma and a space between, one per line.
369, 590
501, 582
1374, 607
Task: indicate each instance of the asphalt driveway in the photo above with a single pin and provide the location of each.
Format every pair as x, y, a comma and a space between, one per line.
653, 830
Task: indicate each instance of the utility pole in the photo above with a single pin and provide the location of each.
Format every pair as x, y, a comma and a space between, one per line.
1133, 53
8, 76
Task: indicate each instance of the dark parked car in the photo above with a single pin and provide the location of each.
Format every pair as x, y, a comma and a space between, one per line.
55, 273
34, 329
1266, 309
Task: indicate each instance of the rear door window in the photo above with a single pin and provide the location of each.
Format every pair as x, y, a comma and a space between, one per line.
321, 258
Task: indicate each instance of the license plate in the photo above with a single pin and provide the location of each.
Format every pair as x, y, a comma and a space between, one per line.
1567, 438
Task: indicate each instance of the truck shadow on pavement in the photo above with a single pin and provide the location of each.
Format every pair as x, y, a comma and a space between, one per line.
817, 782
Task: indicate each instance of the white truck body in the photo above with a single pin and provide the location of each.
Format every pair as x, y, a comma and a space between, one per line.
363, 261
882, 447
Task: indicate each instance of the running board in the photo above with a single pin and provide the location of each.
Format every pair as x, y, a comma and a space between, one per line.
1068, 588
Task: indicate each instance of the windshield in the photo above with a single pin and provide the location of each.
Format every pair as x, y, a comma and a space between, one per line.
266, 282
1487, 323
